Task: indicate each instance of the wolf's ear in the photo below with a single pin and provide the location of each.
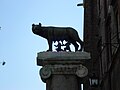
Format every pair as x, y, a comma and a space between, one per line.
33, 24
40, 24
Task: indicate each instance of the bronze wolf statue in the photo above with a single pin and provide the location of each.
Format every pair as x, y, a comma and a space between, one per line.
58, 34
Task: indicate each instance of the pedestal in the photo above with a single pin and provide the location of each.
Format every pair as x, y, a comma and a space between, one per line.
63, 70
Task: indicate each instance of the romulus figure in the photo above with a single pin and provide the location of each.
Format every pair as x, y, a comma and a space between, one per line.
58, 47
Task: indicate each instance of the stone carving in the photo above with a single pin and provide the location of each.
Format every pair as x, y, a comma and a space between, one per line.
81, 71
45, 73
58, 34
47, 70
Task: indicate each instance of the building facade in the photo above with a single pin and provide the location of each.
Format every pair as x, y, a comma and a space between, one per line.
102, 40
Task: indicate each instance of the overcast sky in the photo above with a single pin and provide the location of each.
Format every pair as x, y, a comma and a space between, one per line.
19, 46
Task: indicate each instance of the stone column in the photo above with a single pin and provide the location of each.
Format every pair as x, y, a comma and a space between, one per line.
63, 70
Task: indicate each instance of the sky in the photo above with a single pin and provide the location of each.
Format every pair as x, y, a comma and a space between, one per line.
19, 46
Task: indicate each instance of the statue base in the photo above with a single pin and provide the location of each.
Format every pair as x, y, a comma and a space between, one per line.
63, 70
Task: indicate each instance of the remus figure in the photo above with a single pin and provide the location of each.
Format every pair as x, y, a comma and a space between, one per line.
67, 47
